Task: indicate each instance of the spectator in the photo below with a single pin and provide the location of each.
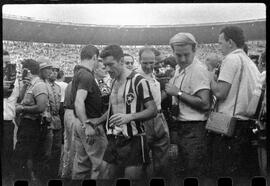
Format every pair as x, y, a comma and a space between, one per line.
69, 128
33, 120
11, 94
190, 90
63, 85
90, 140
129, 61
157, 132
54, 133
236, 156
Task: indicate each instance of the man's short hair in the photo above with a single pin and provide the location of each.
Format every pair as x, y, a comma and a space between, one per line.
88, 52
263, 57
5, 53
245, 48
125, 54
146, 49
234, 33
31, 65
112, 50
60, 74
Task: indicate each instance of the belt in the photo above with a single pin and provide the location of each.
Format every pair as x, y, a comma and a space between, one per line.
159, 111
189, 122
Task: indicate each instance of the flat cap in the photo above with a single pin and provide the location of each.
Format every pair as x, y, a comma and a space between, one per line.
183, 38
44, 62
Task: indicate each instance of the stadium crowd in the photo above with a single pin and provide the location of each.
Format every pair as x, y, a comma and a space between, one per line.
117, 119
66, 56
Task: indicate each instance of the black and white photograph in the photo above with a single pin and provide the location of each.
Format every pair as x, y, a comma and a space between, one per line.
142, 93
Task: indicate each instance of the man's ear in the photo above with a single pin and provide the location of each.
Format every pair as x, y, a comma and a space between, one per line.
122, 62
94, 58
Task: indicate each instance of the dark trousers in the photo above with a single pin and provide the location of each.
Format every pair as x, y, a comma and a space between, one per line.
234, 156
28, 138
50, 154
191, 142
7, 150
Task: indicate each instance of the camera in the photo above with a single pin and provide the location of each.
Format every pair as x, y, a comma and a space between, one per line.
25, 74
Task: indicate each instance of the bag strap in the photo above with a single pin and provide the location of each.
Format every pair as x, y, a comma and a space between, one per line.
237, 93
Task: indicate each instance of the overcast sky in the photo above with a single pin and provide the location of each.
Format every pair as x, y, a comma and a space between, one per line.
140, 14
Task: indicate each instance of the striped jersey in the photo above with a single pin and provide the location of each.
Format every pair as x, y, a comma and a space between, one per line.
136, 93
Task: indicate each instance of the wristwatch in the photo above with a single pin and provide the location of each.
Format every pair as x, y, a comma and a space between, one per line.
179, 94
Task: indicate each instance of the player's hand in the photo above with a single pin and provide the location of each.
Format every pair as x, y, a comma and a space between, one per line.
120, 119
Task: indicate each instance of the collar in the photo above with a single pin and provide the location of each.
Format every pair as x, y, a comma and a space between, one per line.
80, 66
236, 51
146, 76
189, 67
131, 75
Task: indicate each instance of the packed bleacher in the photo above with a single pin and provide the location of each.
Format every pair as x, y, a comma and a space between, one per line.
66, 56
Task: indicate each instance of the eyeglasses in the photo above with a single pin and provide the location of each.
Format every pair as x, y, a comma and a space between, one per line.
129, 63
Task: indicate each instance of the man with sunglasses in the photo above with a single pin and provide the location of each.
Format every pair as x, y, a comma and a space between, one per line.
129, 61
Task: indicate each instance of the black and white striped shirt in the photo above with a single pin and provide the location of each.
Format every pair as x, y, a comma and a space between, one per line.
136, 93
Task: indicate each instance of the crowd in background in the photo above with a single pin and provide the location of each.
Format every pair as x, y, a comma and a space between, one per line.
70, 130
66, 56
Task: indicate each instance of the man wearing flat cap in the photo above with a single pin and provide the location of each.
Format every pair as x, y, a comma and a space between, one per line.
190, 90
53, 140
32, 111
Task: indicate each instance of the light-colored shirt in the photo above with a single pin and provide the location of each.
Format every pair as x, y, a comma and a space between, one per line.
230, 72
63, 86
37, 87
190, 80
10, 102
154, 87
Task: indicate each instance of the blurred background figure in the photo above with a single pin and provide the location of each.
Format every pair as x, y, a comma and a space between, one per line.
213, 61
129, 61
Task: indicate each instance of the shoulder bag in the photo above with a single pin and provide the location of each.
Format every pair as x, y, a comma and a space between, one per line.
223, 123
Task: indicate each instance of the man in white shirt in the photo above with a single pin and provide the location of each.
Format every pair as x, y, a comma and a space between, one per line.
9, 101
190, 88
63, 85
157, 132
236, 156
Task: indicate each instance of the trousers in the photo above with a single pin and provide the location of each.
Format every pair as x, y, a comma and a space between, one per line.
88, 161
158, 139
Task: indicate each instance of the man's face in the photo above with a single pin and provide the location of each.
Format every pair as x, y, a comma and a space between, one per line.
53, 75
183, 54
223, 44
113, 67
6, 60
128, 62
47, 72
101, 70
147, 62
